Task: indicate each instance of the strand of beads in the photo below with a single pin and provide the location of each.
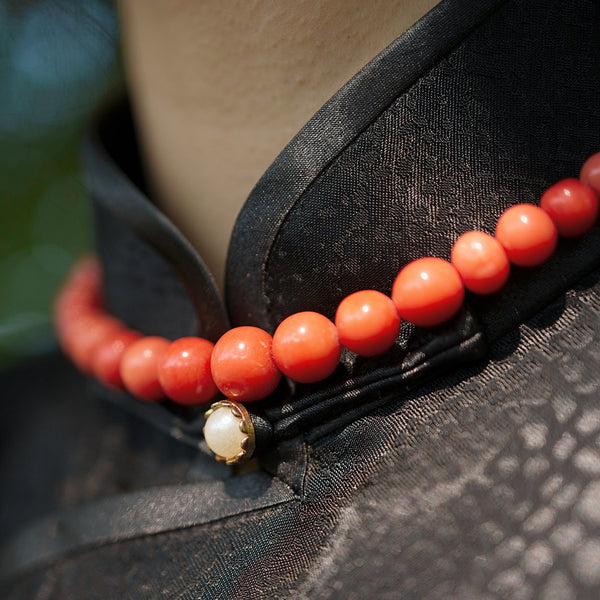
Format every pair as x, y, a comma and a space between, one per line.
246, 364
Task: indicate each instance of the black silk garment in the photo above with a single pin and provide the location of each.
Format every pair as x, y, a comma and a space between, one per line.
464, 463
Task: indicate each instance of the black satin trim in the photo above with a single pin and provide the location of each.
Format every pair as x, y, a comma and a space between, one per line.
183, 423
370, 383
349, 112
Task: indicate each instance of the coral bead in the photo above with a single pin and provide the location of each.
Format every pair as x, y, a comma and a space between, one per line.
106, 358
242, 364
82, 294
139, 368
428, 292
81, 336
481, 262
590, 172
84, 284
572, 205
367, 322
527, 234
306, 347
184, 371
71, 305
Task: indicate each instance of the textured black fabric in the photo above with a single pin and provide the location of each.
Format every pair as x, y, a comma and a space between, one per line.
333, 128
483, 485
495, 122
148, 512
428, 472
60, 447
142, 283
389, 181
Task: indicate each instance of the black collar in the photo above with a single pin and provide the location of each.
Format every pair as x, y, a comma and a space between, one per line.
462, 116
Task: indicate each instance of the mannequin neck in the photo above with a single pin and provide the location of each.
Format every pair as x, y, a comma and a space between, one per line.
219, 89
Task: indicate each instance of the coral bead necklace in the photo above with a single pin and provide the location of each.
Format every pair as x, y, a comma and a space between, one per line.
246, 364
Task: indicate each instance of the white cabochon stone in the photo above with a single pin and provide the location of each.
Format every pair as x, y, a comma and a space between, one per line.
222, 433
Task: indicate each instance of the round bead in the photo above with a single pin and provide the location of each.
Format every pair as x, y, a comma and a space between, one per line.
83, 288
306, 347
69, 307
527, 234
84, 334
572, 205
74, 301
139, 368
367, 322
590, 172
229, 432
428, 292
77, 313
242, 364
481, 262
184, 371
106, 358
84, 282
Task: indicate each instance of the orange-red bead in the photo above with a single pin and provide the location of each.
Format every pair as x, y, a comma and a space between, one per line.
242, 364
306, 347
428, 292
84, 334
106, 358
590, 172
82, 294
184, 371
572, 205
85, 282
139, 367
367, 322
481, 262
527, 234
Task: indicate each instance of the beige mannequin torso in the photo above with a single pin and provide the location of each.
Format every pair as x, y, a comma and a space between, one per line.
219, 88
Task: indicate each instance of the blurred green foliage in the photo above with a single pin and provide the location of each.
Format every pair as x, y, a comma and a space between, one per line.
58, 58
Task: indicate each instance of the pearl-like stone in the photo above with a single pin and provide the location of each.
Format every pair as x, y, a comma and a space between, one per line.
223, 432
